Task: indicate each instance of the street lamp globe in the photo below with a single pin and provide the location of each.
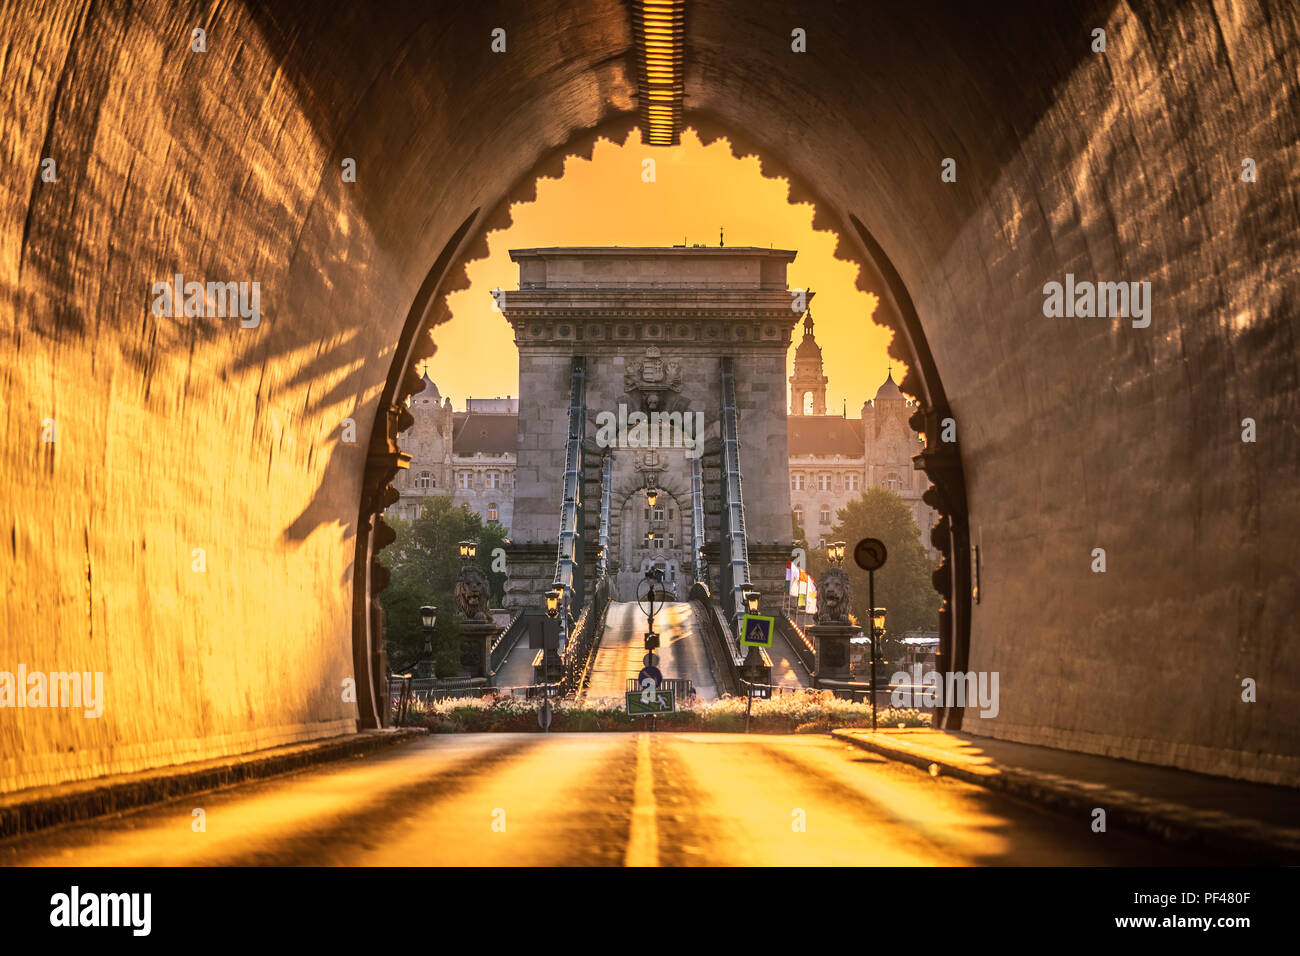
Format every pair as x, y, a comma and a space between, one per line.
878, 621
428, 616
652, 496
553, 602
751, 601
467, 550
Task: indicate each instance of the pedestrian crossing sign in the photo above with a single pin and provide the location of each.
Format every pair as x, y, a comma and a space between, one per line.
756, 630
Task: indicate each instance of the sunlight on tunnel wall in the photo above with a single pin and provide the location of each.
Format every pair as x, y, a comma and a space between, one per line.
186, 532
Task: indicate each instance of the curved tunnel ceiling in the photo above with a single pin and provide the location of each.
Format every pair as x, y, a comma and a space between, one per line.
193, 527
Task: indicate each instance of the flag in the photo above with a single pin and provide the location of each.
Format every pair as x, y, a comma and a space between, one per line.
811, 604
793, 578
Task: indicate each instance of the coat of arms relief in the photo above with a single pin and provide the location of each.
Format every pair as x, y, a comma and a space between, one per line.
655, 381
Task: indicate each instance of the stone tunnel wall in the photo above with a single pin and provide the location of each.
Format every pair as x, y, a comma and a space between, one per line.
179, 434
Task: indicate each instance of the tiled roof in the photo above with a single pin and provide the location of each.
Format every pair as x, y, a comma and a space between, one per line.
482, 433
824, 435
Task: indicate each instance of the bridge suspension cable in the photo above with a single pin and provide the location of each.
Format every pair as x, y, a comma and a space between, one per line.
735, 566
606, 479
697, 520
568, 561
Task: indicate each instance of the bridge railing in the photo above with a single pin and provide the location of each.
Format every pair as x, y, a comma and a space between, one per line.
581, 646
799, 641
682, 687
505, 643
720, 640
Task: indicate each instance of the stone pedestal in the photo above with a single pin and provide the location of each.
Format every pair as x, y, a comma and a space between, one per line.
767, 570
476, 648
832, 643
530, 571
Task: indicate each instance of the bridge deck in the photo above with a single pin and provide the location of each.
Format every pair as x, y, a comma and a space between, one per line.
517, 669
787, 668
681, 652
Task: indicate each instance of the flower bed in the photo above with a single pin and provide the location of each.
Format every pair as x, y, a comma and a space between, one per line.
811, 711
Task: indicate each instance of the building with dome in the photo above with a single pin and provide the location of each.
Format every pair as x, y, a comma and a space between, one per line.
468, 456
834, 458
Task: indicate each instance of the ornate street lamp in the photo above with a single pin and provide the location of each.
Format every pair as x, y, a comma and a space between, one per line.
835, 551
751, 601
467, 550
553, 603
652, 495
428, 618
878, 622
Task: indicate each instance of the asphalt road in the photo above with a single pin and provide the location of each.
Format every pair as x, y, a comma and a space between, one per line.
622, 648
602, 799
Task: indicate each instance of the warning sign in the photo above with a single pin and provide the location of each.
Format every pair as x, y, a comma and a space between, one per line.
756, 630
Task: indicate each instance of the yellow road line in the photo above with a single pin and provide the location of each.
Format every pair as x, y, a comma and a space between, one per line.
643, 841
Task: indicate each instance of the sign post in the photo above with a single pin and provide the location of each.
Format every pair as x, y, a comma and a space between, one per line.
870, 554
650, 700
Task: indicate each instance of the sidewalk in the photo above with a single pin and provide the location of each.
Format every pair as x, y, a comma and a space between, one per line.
25, 811
1251, 822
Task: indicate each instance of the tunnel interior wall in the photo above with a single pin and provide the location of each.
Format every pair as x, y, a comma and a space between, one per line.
180, 433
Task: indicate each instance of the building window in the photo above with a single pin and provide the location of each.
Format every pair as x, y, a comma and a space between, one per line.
796, 482
492, 512
494, 479
424, 481
823, 482
850, 482
893, 482
463, 480
825, 515
658, 514
798, 515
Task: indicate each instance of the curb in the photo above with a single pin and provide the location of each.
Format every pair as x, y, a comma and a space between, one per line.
27, 811
1246, 841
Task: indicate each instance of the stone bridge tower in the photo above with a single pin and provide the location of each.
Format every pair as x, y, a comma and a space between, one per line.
653, 325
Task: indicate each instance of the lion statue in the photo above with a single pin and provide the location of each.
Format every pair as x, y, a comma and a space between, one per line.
473, 594
834, 595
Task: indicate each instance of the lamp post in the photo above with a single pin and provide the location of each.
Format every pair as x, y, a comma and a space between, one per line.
835, 552
646, 601
428, 618
652, 495
468, 549
877, 631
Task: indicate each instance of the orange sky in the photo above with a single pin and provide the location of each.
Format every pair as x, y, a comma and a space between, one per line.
698, 188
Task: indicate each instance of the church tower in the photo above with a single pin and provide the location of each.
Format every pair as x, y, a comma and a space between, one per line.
808, 384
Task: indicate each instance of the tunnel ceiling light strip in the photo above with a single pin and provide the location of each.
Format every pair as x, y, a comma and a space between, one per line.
660, 30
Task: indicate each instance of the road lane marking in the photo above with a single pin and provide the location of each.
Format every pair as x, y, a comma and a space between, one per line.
643, 840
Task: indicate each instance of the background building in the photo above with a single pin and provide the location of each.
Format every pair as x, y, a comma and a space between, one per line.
834, 458
469, 455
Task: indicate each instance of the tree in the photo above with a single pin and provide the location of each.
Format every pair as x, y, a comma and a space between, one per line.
423, 563
903, 585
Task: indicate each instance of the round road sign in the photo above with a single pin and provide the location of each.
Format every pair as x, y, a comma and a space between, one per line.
870, 554
650, 660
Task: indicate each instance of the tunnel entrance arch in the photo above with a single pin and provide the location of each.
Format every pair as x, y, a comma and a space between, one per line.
941, 461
